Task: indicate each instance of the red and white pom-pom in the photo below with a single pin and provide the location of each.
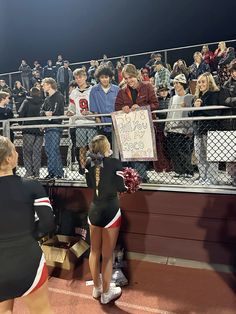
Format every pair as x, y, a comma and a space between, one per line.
132, 179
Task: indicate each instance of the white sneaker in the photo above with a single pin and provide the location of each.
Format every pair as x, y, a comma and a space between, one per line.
97, 292
113, 293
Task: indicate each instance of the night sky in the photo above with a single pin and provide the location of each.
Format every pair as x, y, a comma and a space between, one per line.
85, 29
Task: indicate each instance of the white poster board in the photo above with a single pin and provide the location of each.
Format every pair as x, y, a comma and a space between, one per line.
135, 134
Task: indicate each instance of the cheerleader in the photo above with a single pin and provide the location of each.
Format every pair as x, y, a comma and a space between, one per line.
105, 176
23, 271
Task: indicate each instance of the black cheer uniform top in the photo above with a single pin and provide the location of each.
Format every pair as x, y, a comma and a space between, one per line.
105, 204
25, 212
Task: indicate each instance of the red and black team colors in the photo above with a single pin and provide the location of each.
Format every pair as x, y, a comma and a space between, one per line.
25, 212
104, 211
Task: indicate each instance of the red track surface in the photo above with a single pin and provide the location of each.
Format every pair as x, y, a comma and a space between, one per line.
153, 288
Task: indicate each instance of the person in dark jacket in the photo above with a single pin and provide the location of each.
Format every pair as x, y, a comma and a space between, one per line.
49, 70
198, 67
133, 95
53, 106
5, 111
18, 93
163, 163
32, 138
207, 94
25, 74
228, 98
64, 77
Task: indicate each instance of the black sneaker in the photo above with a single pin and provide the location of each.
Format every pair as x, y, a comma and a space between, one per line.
82, 171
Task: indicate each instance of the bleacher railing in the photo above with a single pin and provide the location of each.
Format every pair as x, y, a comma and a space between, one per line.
180, 157
170, 55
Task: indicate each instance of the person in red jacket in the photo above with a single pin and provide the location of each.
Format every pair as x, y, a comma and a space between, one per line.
133, 95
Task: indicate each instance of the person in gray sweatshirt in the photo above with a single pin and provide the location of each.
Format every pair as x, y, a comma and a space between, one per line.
179, 133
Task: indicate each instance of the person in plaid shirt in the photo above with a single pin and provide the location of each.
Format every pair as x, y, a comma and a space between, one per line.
162, 76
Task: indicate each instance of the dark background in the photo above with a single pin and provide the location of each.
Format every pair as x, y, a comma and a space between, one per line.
85, 29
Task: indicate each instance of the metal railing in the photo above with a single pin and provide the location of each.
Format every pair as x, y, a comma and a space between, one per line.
180, 156
139, 59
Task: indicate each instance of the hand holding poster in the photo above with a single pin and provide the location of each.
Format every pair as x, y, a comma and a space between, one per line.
135, 134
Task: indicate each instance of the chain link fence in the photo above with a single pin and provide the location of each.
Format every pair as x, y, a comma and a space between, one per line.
192, 150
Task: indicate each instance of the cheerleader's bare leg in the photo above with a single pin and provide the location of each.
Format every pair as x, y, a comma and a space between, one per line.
95, 253
6, 307
109, 239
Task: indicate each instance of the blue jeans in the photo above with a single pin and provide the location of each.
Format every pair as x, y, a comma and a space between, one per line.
52, 149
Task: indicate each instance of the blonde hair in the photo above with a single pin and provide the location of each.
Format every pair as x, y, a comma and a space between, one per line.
6, 148
211, 84
98, 145
197, 54
222, 44
79, 72
131, 70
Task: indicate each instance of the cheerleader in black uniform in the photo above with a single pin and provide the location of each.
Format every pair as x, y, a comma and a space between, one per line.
104, 175
23, 271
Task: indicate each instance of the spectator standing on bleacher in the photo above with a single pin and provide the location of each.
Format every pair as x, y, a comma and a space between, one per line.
25, 74
179, 133
223, 65
5, 88
228, 98
179, 67
162, 76
207, 94
37, 68
64, 77
80, 106
163, 163
49, 70
219, 53
103, 97
36, 78
5, 111
91, 72
32, 137
53, 106
18, 93
198, 67
208, 56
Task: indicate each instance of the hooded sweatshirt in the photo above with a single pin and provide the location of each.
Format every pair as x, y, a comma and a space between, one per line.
31, 108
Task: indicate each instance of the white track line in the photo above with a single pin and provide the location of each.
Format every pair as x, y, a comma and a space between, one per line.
120, 303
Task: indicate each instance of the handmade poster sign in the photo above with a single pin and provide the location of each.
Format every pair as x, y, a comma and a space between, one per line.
135, 134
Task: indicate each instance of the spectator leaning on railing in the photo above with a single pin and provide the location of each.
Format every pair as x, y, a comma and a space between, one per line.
53, 106
179, 133
133, 95
80, 106
32, 137
207, 94
103, 97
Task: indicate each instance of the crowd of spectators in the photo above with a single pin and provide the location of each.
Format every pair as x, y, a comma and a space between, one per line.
105, 88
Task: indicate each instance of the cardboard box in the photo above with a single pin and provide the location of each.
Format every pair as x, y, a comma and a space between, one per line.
63, 251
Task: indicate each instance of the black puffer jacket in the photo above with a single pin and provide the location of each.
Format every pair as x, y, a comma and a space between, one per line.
203, 126
228, 98
31, 108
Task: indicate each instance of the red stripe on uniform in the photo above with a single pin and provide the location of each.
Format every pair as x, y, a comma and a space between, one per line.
72, 101
116, 223
43, 278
